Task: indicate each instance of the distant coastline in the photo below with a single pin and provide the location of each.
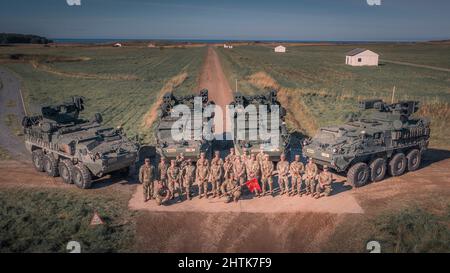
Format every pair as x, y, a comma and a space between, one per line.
210, 41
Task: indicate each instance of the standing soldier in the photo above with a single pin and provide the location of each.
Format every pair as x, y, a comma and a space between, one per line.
202, 175
310, 177
239, 171
260, 156
325, 179
245, 155
267, 169
283, 174
296, 170
173, 173
215, 173
181, 161
162, 170
231, 156
146, 177
254, 169
188, 175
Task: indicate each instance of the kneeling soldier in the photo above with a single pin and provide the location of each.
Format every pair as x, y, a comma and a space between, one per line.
325, 179
162, 193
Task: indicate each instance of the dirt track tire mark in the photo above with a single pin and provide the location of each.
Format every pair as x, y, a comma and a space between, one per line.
11, 107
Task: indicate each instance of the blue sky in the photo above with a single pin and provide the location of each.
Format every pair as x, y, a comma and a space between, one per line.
342, 20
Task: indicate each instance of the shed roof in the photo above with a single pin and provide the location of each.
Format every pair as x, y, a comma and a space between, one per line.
356, 51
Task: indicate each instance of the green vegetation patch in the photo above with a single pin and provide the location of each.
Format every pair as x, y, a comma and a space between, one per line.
4, 155
45, 220
414, 230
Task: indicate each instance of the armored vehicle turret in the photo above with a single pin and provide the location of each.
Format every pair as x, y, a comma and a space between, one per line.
385, 138
170, 147
62, 144
255, 124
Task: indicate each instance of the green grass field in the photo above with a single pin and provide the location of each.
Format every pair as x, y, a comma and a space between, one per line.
45, 220
321, 89
120, 83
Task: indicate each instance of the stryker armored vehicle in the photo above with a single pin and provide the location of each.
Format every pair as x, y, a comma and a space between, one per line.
253, 124
62, 144
191, 148
385, 138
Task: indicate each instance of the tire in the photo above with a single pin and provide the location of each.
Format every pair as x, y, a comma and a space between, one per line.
37, 158
378, 170
65, 168
414, 159
82, 177
50, 165
358, 175
397, 165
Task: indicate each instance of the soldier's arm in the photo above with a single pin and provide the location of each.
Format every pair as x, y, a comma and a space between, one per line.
141, 172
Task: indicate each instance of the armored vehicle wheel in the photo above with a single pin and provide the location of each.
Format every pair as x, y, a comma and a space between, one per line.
397, 165
358, 174
37, 158
414, 159
377, 170
50, 165
82, 177
66, 171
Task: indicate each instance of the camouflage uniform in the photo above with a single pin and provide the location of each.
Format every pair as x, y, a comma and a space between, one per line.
201, 176
188, 175
215, 175
162, 194
283, 176
173, 173
260, 157
146, 178
325, 180
231, 157
239, 171
296, 170
267, 169
162, 170
181, 161
310, 177
229, 187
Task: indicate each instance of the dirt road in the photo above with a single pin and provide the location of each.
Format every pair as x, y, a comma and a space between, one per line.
11, 111
213, 79
417, 65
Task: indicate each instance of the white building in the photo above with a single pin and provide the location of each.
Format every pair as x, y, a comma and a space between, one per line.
361, 57
227, 46
280, 49
117, 45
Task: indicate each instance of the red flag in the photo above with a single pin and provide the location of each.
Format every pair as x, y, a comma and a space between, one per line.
253, 185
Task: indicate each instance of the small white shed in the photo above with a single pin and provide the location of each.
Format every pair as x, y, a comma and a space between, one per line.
361, 57
228, 46
117, 45
280, 49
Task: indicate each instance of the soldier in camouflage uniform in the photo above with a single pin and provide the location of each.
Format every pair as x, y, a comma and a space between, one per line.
201, 175
162, 171
215, 173
162, 193
180, 161
173, 173
267, 169
310, 177
146, 178
283, 174
260, 157
254, 169
239, 171
296, 170
231, 156
324, 181
188, 176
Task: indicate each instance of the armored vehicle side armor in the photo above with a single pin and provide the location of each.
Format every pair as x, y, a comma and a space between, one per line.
384, 139
62, 144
